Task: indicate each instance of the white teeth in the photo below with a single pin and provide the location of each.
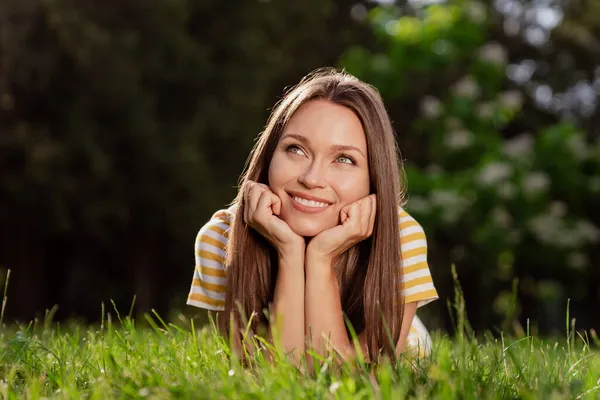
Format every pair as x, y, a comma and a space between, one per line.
310, 203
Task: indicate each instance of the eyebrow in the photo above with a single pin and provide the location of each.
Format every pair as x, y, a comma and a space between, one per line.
336, 147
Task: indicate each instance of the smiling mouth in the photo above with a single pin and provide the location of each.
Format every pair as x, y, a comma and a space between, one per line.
310, 203
305, 205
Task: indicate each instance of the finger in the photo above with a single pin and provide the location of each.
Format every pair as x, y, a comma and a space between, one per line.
354, 218
276, 206
255, 192
373, 214
275, 200
366, 206
263, 207
344, 214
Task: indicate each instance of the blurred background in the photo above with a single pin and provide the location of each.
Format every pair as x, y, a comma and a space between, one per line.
125, 124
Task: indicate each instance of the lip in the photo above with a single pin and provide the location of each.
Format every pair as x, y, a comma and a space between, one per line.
307, 209
308, 197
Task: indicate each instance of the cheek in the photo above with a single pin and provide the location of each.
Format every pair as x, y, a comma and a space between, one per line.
277, 172
352, 188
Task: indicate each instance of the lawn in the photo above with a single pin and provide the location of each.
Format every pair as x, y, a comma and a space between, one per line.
123, 358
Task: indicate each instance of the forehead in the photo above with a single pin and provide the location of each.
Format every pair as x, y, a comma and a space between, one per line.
325, 123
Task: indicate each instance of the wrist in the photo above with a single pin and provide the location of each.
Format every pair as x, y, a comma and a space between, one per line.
321, 270
292, 251
320, 262
316, 256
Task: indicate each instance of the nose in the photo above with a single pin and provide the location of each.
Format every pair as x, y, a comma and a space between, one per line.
313, 176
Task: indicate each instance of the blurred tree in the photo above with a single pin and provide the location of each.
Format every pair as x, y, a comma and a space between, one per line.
500, 170
125, 125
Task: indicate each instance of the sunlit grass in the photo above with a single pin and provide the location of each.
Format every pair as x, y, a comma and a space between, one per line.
124, 358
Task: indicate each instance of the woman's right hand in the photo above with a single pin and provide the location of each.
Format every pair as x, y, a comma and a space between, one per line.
261, 210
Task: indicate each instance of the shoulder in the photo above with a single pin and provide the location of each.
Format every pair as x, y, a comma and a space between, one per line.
413, 241
212, 238
408, 224
417, 280
210, 279
216, 231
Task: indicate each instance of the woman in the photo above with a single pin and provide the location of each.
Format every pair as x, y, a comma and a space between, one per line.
317, 232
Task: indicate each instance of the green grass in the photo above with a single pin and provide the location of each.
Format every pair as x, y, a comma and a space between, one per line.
124, 360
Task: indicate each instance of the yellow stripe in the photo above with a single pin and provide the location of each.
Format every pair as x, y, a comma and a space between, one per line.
413, 330
421, 296
213, 241
403, 213
220, 273
416, 267
210, 286
206, 299
408, 224
414, 252
412, 237
221, 214
417, 281
219, 230
210, 256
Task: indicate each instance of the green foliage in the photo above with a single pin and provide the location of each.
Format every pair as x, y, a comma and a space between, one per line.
498, 205
125, 125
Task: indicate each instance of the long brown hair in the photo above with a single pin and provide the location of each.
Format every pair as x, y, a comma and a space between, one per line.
369, 273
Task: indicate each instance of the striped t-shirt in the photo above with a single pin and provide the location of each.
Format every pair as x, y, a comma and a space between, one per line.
210, 277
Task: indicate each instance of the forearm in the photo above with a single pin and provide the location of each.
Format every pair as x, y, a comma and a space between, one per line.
288, 305
325, 326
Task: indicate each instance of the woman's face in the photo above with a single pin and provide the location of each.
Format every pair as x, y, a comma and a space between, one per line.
320, 165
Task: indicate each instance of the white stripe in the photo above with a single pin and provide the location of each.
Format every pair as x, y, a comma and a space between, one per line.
420, 343
220, 224
209, 263
411, 229
211, 249
210, 279
406, 219
417, 274
420, 338
418, 289
215, 235
415, 244
419, 326
208, 293
201, 304
414, 260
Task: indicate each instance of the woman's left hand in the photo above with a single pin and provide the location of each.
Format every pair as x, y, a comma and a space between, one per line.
357, 221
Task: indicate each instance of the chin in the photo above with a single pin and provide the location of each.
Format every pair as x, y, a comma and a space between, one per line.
306, 229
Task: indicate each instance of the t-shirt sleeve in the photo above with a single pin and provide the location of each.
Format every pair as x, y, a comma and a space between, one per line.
209, 280
417, 281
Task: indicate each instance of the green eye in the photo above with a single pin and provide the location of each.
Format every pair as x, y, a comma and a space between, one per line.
346, 160
294, 149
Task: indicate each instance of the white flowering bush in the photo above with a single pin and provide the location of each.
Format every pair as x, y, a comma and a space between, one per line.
499, 207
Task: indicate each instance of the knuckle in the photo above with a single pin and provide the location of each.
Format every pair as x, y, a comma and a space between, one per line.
258, 218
